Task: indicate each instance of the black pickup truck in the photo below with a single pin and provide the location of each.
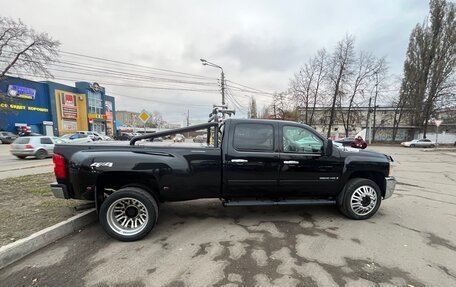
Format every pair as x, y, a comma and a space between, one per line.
244, 162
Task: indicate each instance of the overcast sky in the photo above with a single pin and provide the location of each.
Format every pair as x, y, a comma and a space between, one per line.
258, 43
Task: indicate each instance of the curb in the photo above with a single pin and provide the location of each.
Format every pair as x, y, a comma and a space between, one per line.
440, 149
19, 249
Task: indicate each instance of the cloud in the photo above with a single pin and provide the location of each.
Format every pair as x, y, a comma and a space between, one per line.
258, 43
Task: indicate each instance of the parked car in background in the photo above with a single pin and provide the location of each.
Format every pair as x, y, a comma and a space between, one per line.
78, 138
345, 141
419, 143
7, 137
179, 138
30, 134
96, 136
359, 143
37, 146
200, 139
124, 137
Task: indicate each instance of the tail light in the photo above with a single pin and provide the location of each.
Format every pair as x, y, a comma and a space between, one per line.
59, 166
28, 146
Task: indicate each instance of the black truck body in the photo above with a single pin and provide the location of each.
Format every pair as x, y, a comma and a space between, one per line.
254, 162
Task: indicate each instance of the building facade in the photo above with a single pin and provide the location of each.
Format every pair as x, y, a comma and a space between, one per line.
55, 109
387, 123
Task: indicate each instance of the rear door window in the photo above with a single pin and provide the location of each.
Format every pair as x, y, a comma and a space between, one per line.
46, 141
254, 137
22, 141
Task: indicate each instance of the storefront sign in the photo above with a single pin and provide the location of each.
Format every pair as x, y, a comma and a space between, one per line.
22, 107
69, 107
69, 125
97, 116
96, 88
108, 109
21, 92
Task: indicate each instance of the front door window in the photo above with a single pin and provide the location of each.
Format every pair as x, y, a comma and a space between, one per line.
301, 140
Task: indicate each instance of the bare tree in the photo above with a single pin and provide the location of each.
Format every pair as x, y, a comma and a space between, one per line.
281, 105
430, 64
306, 85
341, 67
365, 67
23, 50
253, 113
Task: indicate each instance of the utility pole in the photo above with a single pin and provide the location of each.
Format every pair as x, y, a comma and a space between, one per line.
368, 127
210, 64
188, 121
223, 88
375, 106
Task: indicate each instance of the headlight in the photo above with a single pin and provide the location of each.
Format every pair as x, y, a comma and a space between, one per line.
390, 172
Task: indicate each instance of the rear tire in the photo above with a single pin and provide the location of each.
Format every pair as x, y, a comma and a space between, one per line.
41, 154
129, 214
360, 199
412, 145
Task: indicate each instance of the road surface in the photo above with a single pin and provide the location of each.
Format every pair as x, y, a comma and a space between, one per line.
11, 166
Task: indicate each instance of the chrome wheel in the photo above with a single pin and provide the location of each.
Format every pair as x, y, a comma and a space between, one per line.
363, 200
127, 216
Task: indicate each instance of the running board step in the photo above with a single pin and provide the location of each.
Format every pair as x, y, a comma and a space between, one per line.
281, 202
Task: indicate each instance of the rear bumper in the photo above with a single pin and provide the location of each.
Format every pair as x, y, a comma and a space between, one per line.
60, 190
23, 152
390, 186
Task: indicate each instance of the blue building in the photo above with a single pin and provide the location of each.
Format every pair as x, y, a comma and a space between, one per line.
25, 103
55, 109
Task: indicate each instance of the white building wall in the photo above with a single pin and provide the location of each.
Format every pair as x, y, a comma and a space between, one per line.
443, 137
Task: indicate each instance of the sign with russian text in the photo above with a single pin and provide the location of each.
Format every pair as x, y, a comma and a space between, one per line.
69, 107
21, 92
22, 107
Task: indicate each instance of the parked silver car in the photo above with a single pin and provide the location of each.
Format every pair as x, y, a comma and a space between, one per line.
38, 146
419, 143
7, 137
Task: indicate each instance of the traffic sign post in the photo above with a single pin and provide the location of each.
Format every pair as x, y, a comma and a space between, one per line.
437, 124
144, 117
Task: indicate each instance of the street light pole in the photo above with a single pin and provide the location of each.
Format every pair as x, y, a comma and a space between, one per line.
207, 63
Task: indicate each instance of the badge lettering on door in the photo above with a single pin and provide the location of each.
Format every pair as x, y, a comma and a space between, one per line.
100, 164
329, 177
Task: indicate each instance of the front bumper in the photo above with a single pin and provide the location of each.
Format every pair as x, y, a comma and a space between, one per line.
60, 190
390, 185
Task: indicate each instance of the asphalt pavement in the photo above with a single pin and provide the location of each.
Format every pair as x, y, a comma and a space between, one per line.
411, 241
11, 166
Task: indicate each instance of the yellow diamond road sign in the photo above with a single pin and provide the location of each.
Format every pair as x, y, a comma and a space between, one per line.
144, 116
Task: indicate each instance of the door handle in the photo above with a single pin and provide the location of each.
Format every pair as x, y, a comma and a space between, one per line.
291, 162
238, 160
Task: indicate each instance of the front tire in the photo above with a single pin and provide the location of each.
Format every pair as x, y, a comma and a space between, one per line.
129, 214
360, 199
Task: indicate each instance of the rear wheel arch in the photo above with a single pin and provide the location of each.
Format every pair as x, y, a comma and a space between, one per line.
109, 182
41, 153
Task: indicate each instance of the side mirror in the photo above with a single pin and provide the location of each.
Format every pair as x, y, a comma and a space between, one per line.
329, 148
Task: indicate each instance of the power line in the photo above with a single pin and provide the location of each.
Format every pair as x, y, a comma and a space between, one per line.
134, 65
